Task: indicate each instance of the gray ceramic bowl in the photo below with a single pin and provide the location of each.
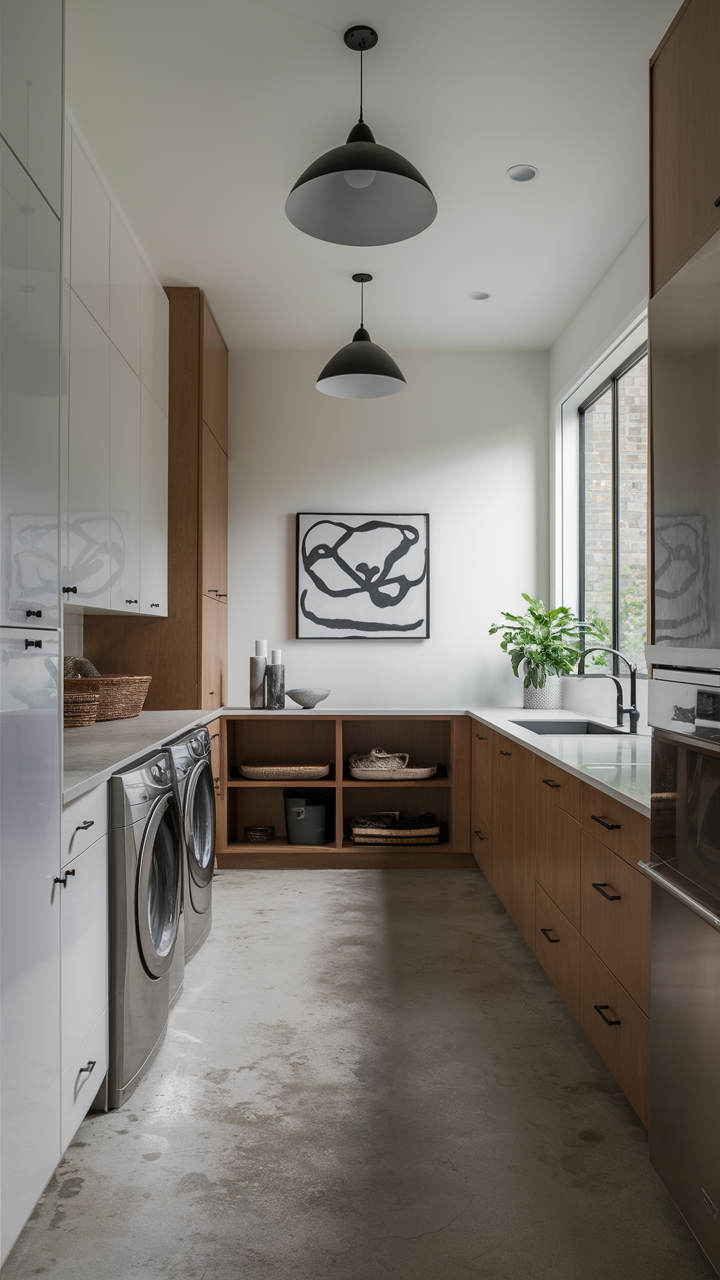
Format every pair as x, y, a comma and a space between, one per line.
308, 697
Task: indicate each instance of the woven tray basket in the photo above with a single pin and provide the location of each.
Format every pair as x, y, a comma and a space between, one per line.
121, 697
80, 706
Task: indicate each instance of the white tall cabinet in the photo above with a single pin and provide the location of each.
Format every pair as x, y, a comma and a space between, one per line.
115, 550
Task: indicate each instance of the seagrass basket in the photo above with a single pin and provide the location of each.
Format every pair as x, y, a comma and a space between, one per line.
120, 697
80, 705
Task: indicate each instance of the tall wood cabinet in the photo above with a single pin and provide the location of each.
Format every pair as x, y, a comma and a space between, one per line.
684, 139
185, 653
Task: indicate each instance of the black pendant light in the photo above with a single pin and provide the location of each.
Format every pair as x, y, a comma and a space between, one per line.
361, 193
361, 370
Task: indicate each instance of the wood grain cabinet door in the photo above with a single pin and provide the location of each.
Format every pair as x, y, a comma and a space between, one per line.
213, 516
213, 662
615, 910
483, 752
482, 846
557, 947
513, 828
684, 139
617, 1027
214, 378
616, 825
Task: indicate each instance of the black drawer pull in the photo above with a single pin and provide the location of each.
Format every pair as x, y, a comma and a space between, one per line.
481, 737
550, 783
213, 736
63, 879
611, 1022
155, 606
717, 203
86, 825
547, 932
89, 1068
611, 897
33, 613
70, 591
506, 753
131, 601
33, 644
480, 836
609, 826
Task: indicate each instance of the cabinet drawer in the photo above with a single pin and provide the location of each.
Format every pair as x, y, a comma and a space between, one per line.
615, 913
82, 1079
557, 947
566, 789
557, 861
624, 1044
616, 825
83, 822
84, 947
483, 741
482, 846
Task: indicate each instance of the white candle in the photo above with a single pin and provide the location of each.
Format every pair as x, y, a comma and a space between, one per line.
276, 657
261, 648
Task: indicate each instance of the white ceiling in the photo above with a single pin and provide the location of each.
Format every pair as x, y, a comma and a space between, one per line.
203, 113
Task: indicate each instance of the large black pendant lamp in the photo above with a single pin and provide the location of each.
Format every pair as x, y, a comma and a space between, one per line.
361, 193
361, 370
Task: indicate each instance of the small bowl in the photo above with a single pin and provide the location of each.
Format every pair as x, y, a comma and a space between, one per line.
259, 835
308, 697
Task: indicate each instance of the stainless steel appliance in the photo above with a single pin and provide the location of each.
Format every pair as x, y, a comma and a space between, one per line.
144, 900
195, 793
684, 710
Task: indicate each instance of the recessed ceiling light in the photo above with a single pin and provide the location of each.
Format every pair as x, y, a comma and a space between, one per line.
522, 172
480, 296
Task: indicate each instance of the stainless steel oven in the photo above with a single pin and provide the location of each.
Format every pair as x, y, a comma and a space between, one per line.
684, 710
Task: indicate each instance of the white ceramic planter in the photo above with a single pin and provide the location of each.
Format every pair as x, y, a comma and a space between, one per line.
549, 698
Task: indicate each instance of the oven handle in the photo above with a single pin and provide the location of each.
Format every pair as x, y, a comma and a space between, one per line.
685, 898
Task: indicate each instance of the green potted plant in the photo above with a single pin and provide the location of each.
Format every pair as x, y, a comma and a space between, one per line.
548, 644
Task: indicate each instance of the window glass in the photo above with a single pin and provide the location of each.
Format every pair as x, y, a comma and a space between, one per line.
632, 513
597, 561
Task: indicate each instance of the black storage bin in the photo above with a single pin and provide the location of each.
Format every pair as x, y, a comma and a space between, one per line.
309, 816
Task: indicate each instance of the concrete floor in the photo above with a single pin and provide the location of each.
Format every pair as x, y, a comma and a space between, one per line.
368, 1075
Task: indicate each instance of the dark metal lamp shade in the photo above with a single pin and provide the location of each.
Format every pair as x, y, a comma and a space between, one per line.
361, 371
361, 194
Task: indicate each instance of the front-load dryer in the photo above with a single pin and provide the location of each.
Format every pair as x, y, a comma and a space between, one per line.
146, 852
192, 776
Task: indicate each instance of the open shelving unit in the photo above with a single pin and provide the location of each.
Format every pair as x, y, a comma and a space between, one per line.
274, 738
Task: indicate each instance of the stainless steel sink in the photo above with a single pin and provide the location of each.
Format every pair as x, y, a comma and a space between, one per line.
564, 727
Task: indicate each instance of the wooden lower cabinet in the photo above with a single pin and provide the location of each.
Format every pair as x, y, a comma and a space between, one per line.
557, 846
616, 825
557, 947
615, 909
617, 1027
513, 829
214, 647
482, 846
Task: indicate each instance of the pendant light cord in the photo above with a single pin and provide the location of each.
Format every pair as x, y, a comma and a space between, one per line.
361, 85
362, 304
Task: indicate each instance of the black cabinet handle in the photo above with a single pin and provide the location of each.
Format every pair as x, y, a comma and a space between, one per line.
611, 897
610, 1022
155, 606
33, 644
70, 591
86, 825
221, 595
547, 935
63, 879
550, 783
481, 737
89, 1068
609, 826
480, 836
717, 203
213, 736
506, 753
33, 613
131, 601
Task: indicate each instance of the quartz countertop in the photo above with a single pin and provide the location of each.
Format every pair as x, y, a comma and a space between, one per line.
94, 753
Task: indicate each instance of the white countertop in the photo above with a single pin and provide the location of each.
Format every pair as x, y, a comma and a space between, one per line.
618, 764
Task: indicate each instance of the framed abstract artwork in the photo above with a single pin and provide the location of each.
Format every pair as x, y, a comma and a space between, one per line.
363, 576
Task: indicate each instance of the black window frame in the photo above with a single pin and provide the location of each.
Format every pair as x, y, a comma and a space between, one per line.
611, 381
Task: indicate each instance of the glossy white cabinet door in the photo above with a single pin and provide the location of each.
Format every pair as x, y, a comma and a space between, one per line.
67, 202
125, 276
30, 404
82, 1079
153, 506
83, 962
154, 325
31, 100
30, 719
89, 569
90, 238
124, 484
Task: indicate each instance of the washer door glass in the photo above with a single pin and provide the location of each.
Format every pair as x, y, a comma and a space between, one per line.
158, 887
200, 825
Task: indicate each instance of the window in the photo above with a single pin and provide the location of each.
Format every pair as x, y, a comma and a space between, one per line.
613, 501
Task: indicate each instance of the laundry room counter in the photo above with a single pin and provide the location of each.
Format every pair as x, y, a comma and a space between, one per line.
92, 754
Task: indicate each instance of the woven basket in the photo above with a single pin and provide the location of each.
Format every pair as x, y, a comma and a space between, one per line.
121, 697
80, 706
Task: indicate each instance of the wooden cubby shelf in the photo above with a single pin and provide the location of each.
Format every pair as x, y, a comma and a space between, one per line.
274, 738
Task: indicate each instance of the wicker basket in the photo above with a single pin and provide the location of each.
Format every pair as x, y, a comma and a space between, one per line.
121, 697
80, 706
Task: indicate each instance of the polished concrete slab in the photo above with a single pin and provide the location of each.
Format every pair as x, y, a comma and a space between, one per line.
368, 1076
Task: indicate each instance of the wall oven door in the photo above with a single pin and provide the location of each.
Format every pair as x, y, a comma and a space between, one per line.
685, 978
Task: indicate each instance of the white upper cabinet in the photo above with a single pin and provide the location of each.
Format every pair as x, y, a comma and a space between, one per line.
153, 507
125, 278
124, 484
31, 96
67, 203
89, 569
90, 238
30, 387
154, 332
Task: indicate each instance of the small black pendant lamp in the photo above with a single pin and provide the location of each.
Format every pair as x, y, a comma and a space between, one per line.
361, 370
361, 193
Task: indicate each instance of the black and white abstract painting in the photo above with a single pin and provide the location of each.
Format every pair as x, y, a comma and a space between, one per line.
363, 576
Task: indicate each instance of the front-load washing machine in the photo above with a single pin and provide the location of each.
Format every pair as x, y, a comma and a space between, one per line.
145, 881
192, 775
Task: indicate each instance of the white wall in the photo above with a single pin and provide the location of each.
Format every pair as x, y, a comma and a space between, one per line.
467, 441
